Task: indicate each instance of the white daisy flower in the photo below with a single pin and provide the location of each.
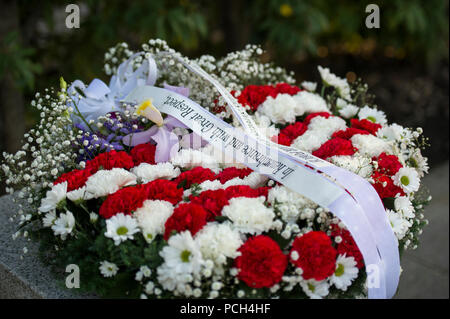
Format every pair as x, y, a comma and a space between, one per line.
64, 225
393, 132
53, 197
419, 162
315, 289
309, 86
77, 194
249, 215
399, 225
346, 271
341, 85
182, 259
144, 272
148, 172
218, 242
106, 182
404, 206
346, 110
49, 219
152, 216
108, 269
408, 179
121, 227
373, 115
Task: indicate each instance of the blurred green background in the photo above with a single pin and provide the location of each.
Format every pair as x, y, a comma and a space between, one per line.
405, 61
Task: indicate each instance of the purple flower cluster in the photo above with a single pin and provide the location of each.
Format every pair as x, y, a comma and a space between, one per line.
107, 138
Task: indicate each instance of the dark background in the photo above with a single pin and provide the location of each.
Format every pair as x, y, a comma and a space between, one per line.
405, 61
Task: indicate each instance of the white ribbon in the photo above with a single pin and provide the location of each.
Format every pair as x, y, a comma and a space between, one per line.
349, 197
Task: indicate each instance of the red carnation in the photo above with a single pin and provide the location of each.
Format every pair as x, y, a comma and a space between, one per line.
233, 172
125, 200
254, 95
335, 146
75, 179
285, 88
212, 201
196, 175
162, 189
348, 133
366, 125
347, 246
388, 164
313, 115
261, 263
385, 187
316, 255
110, 160
187, 216
245, 191
143, 153
294, 130
282, 139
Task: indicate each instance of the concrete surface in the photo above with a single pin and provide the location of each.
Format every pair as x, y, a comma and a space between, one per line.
425, 270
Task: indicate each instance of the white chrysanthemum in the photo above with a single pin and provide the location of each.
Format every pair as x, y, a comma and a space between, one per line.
121, 227
346, 110
404, 206
152, 216
357, 164
289, 203
190, 158
182, 258
64, 225
148, 172
399, 225
319, 131
307, 102
249, 215
346, 271
77, 194
408, 179
309, 86
370, 145
341, 85
265, 126
106, 182
315, 289
218, 242
49, 219
108, 269
419, 162
53, 197
281, 109
373, 115
393, 132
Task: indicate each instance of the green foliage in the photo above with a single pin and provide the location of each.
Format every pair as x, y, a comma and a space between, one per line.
16, 59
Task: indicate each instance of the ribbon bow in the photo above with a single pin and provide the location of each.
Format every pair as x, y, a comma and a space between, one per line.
167, 143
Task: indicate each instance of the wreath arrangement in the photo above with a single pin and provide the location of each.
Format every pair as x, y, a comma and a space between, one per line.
122, 191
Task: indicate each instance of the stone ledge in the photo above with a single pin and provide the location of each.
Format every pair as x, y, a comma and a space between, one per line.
24, 275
